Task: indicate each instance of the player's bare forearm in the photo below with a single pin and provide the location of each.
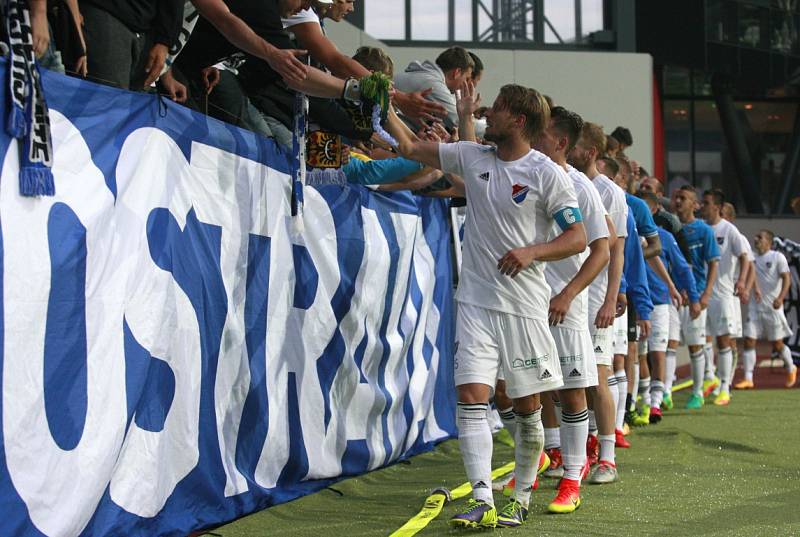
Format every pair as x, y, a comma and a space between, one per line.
751, 278
653, 247
658, 267
786, 283
572, 241
599, 255
744, 263
612, 233
615, 265
713, 267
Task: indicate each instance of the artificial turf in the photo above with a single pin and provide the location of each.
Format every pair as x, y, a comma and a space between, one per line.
726, 471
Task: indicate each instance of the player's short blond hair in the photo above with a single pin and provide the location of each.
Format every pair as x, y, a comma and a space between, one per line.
527, 102
592, 135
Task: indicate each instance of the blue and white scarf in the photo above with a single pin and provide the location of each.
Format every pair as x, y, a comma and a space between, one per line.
28, 118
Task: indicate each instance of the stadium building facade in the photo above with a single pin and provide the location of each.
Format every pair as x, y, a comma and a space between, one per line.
708, 87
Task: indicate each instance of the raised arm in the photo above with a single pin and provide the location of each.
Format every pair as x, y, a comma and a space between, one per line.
467, 102
410, 146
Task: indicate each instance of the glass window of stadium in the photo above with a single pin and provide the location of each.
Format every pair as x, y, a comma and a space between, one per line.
565, 23
697, 151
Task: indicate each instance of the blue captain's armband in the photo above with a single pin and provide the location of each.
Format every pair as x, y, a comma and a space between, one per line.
567, 216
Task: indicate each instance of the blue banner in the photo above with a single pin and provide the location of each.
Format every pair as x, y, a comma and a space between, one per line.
176, 353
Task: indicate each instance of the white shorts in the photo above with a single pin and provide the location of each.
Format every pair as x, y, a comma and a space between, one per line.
693, 330
659, 328
722, 317
576, 354
762, 321
620, 336
603, 343
490, 342
674, 324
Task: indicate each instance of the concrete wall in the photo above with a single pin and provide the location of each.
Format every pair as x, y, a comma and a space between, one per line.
788, 228
608, 88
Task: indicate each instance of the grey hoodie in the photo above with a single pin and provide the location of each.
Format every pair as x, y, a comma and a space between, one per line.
421, 76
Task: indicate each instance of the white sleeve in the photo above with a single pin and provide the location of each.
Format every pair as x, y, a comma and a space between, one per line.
451, 159
303, 16
619, 214
747, 247
560, 192
738, 245
783, 265
594, 213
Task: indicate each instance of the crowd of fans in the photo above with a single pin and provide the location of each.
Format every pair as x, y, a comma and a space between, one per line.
242, 62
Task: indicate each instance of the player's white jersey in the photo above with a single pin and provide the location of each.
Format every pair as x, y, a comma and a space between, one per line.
613, 198
730, 244
769, 268
510, 205
748, 251
560, 273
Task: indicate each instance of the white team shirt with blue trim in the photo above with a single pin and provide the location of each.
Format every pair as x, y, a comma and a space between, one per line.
769, 268
613, 198
560, 273
731, 244
509, 205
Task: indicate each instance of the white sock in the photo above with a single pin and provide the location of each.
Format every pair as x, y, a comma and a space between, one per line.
749, 359
552, 437
698, 370
475, 443
656, 393
607, 447
644, 391
725, 364
529, 443
573, 450
613, 387
734, 362
622, 388
592, 423
509, 422
786, 355
635, 388
671, 364
708, 350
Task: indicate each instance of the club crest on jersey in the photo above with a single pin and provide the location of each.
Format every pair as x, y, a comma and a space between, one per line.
518, 193
769, 264
720, 240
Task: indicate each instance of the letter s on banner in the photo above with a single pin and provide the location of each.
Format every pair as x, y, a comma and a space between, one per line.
61, 488
162, 320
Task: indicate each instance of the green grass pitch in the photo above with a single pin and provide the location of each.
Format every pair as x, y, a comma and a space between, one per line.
720, 471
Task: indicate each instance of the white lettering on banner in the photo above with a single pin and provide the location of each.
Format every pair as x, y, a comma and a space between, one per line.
141, 468
396, 376
152, 172
61, 488
423, 380
241, 196
364, 320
